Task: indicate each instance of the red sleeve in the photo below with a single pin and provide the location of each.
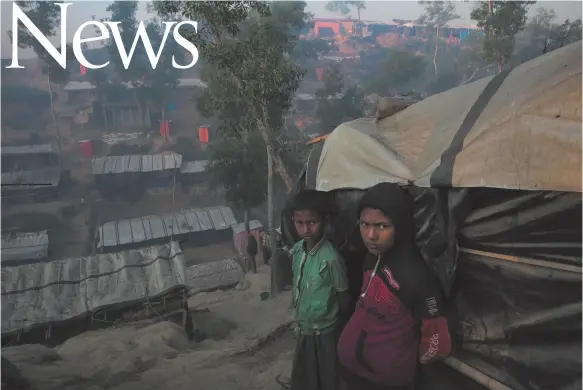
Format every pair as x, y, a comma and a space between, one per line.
435, 340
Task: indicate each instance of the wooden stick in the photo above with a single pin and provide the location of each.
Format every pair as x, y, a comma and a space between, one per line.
474, 374
524, 260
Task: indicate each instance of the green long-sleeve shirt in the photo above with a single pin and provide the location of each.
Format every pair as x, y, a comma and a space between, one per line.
318, 276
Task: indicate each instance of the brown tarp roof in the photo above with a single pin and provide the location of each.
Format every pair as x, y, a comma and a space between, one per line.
517, 130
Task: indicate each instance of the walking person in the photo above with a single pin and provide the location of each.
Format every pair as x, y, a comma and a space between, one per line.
319, 294
251, 252
398, 321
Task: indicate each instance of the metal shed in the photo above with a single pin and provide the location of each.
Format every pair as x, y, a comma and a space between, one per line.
18, 248
194, 226
136, 163
31, 186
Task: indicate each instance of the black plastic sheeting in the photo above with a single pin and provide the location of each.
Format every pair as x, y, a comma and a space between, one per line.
518, 323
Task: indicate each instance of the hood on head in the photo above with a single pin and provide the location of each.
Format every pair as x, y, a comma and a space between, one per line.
395, 203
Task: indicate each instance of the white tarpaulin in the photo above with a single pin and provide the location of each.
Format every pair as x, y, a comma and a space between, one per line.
518, 130
56, 291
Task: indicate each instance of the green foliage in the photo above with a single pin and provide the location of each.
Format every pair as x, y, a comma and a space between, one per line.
506, 19
189, 150
46, 15
247, 48
125, 13
343, 6
543, 34
437, 13
397, 69
239, 167
335, 105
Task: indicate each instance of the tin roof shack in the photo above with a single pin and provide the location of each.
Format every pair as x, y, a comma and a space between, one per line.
193, 172
51, 302
240, 239
23, 248
40, 185
129, 176
29, 157
193, 227
24, 109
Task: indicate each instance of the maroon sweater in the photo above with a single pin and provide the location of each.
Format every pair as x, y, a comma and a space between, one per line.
397, 323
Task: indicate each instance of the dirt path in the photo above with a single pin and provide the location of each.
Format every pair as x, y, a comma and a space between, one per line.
249, 344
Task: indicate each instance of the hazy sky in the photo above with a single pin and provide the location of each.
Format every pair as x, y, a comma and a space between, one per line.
81, 11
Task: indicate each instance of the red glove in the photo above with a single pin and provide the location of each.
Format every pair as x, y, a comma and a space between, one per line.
435, 340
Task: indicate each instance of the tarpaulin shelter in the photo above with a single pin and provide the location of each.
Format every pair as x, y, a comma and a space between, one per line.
494, 170
59, 299
240, 238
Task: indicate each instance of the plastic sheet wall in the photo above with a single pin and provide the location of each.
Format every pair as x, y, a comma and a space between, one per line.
510, 263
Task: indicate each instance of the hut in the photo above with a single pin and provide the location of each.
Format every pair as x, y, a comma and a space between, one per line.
51, 302
193, 227
133, 174
39, 185
28, 157
494, 172
21, 248
240, 238
193, 172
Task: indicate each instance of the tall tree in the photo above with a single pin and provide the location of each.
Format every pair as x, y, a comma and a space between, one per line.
397, 69
500, 21
252, 77
46, 16
343, 6
239, 167
437, 15
124, 12
152, 87
334, 103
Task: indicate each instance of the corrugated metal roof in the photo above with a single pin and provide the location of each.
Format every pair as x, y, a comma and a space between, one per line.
193, 166
136, 163
240, 227
150, 227
25, 246
180, 83
307, 96
79, 86
190, 83
48, 177
27, 149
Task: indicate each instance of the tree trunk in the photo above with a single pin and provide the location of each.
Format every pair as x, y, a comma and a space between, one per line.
247, 220
275, 288
276, 158
55, 119
435, 54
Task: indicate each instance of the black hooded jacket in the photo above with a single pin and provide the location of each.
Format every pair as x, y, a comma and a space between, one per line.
398, 318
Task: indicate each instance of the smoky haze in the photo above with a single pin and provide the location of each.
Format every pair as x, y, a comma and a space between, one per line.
383, 11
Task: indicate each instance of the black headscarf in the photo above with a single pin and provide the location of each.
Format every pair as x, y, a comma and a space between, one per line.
396, 204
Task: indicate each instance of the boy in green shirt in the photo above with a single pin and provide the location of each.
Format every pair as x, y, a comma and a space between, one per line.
320, 295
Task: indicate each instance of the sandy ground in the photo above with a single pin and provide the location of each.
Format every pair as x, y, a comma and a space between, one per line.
235, 356
249, 346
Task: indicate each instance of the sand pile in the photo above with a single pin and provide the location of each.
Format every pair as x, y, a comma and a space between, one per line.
236, 353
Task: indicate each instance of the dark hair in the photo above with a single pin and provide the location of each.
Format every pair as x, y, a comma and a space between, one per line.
311, 200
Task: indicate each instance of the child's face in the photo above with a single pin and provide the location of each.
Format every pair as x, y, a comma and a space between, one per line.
309, 225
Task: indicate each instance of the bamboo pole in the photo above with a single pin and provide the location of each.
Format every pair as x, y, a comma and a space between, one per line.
474, 374
524, 260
